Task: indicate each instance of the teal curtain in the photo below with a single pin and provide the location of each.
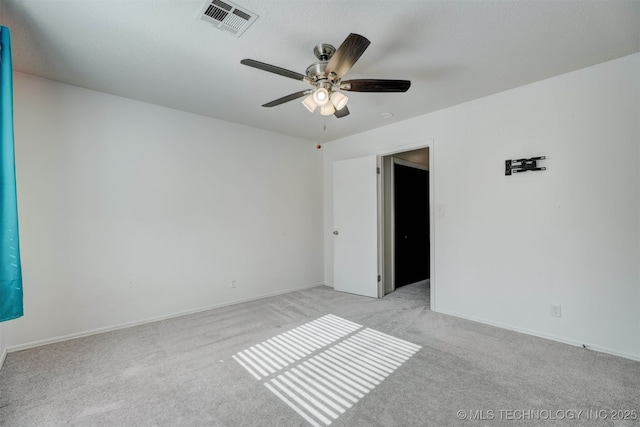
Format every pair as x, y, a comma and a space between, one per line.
10, 268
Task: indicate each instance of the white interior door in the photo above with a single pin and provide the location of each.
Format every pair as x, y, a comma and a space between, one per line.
355, 221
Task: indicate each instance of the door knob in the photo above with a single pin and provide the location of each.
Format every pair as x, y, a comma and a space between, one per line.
335, 232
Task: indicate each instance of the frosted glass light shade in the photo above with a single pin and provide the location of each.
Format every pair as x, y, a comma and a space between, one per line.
309, 103
321, 96
327, 110
339, 100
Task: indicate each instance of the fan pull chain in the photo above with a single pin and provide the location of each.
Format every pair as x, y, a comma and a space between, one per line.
324, 127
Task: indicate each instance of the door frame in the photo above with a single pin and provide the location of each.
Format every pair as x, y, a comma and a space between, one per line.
381, 216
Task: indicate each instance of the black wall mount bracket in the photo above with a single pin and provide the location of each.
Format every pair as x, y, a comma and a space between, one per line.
523, 165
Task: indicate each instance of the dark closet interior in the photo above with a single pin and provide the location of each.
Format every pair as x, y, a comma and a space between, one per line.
411, 207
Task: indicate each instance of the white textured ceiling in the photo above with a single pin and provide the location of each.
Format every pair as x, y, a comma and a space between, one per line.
158, 51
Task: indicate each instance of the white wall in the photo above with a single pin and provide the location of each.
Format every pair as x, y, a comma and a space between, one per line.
130, 211
3, 346
506, 248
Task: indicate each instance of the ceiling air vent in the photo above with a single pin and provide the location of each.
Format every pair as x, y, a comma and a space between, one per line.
227, 16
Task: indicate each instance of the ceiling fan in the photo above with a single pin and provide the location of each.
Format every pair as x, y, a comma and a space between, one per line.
325, 75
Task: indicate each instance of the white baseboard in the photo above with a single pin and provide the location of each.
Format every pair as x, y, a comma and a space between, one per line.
538, 334
3, 356
145, 321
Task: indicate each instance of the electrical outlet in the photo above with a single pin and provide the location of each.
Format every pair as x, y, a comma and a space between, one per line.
233, 283
556, 310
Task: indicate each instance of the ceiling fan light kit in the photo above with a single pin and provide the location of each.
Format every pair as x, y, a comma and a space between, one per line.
326, 76
329, 102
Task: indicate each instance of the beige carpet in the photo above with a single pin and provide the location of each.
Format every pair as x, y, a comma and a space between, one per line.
186, 371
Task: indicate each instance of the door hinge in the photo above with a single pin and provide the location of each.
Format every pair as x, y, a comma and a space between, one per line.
378, 171
379, 278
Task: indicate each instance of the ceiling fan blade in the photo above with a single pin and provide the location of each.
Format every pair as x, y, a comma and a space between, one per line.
347, 54
375, 85
276, 70
341, 113
287, 98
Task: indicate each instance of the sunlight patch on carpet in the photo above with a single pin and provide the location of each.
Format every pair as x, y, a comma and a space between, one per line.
322, 368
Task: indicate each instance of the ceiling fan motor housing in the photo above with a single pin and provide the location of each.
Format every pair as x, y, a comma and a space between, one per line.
316, 71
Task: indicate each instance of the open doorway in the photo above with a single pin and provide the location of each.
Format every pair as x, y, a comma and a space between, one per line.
406, 224
411, 223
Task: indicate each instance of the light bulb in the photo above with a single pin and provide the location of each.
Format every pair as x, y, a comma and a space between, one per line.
321, 96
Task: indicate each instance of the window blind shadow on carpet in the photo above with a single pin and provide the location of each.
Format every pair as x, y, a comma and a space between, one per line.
322, 368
